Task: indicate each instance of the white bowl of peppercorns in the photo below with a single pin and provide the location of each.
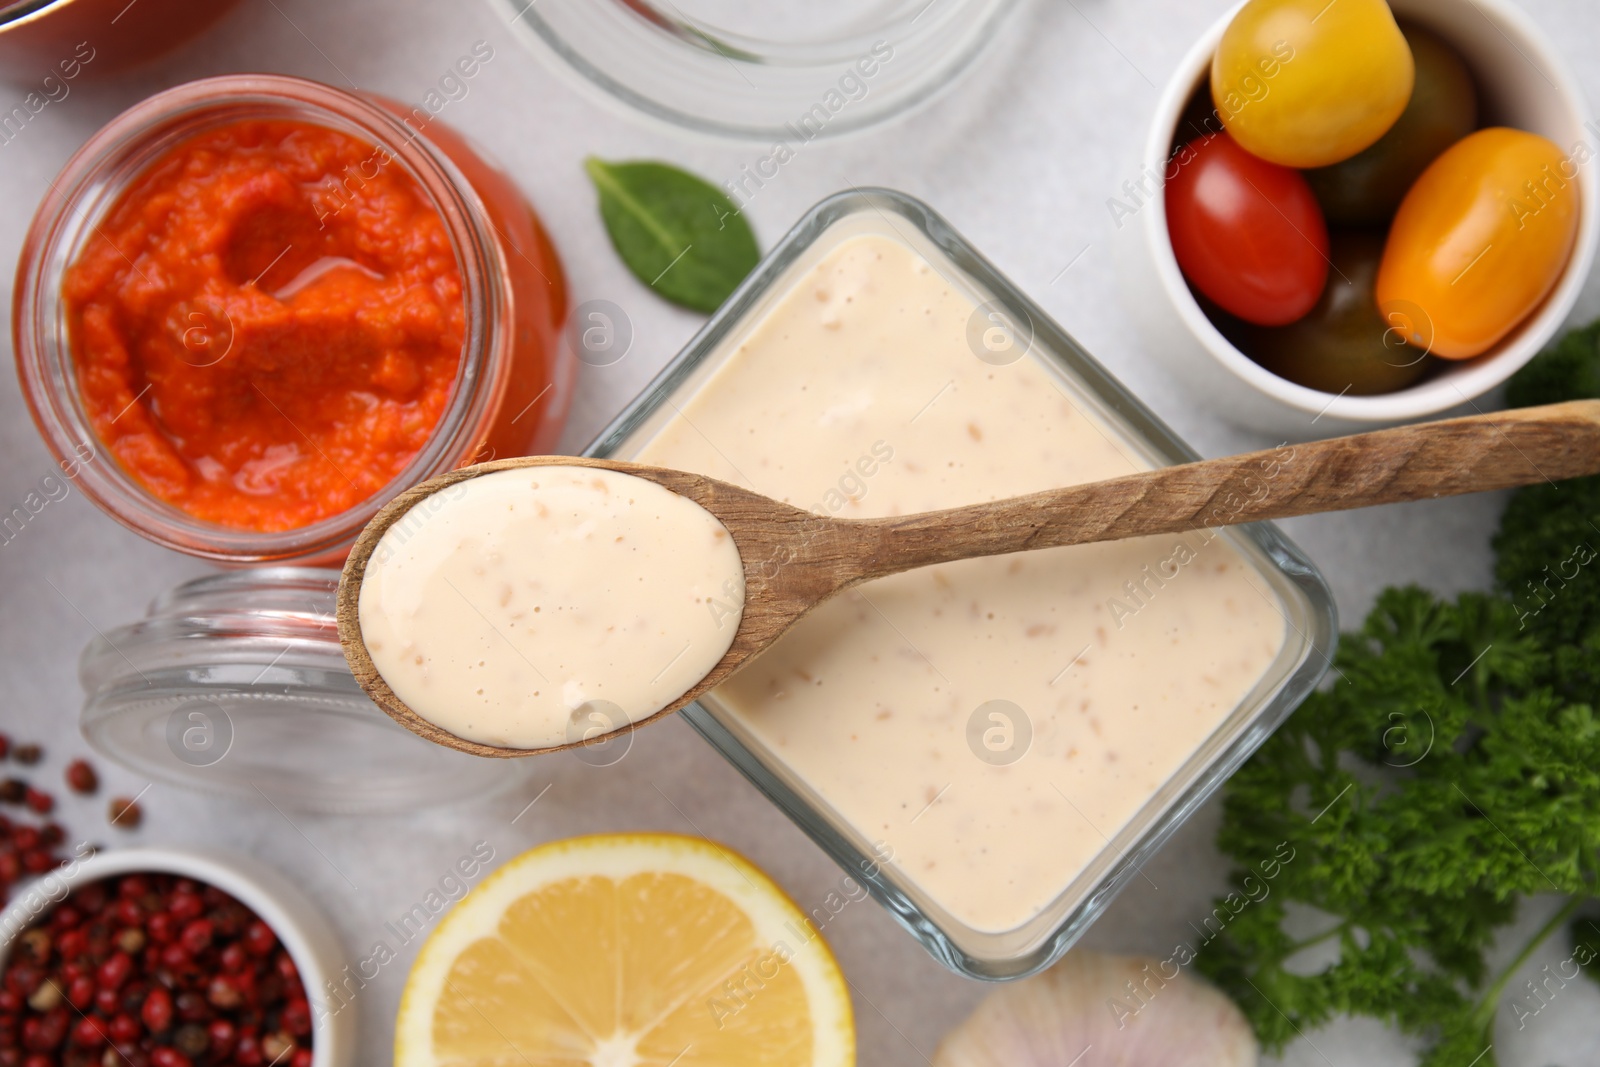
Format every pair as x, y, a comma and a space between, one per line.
160, 957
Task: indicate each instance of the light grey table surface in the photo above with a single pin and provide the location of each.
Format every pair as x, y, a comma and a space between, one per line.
1021, 155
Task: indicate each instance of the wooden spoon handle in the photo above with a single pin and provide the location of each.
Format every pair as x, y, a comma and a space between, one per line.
1467, 455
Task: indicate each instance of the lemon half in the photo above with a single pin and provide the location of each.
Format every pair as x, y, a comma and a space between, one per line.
626, 950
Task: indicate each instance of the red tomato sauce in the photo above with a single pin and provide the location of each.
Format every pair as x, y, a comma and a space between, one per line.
268, 323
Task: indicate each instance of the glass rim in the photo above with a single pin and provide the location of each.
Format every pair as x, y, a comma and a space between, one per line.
19, 10
701, 34
679, 40
1275, 556
87, 187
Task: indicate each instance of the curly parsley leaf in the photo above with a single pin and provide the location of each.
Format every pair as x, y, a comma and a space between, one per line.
1584, 937
1569, 370
1451, 767
1549, 539
1435, 781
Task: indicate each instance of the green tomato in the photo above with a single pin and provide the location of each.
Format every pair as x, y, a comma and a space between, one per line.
1343, 344
1366, 189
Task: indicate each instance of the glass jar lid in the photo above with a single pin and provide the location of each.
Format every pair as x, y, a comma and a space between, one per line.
236, 683
765, 71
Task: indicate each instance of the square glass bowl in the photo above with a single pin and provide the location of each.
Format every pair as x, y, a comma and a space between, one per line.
1004, 326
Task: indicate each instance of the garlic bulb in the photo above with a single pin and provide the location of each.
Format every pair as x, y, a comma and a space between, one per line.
1092, 1010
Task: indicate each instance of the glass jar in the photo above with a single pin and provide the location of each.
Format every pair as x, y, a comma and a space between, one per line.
770, 71
853, 729
63, 39
236, 683
514, 382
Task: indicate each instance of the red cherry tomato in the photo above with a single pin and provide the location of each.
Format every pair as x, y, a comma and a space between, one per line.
1247, 233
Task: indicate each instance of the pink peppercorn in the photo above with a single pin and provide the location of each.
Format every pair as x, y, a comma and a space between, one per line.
196, 936
81, 777
157, 1010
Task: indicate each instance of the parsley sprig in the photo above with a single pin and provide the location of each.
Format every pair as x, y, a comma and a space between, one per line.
1449, 768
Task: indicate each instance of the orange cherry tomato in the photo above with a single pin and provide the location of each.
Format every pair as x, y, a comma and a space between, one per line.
1479, 241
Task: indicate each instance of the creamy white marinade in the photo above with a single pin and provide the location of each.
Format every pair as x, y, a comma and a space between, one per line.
859, 394
527, 608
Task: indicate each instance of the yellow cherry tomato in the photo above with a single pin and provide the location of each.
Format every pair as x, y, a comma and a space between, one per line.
1478, 241
1307, 83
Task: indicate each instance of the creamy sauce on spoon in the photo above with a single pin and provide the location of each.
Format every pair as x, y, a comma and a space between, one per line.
537, 607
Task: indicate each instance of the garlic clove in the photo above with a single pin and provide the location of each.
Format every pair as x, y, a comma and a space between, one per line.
1121, 1007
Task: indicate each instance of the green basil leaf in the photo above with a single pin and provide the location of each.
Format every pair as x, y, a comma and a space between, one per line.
677, 233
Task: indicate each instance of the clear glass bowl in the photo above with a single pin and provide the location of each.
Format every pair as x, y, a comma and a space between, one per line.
769, 71
236, 683
1310, 631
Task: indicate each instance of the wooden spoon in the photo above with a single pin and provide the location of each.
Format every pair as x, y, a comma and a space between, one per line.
795, 560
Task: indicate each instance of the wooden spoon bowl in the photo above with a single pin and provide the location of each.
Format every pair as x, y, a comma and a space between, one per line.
793, 561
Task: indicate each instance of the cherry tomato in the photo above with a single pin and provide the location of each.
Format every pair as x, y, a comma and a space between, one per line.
1366, 189
1478, 241
1246, 233
1343, 345
1307, 83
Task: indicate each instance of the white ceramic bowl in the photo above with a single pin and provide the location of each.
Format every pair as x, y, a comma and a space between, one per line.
1522, 82
303, 930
